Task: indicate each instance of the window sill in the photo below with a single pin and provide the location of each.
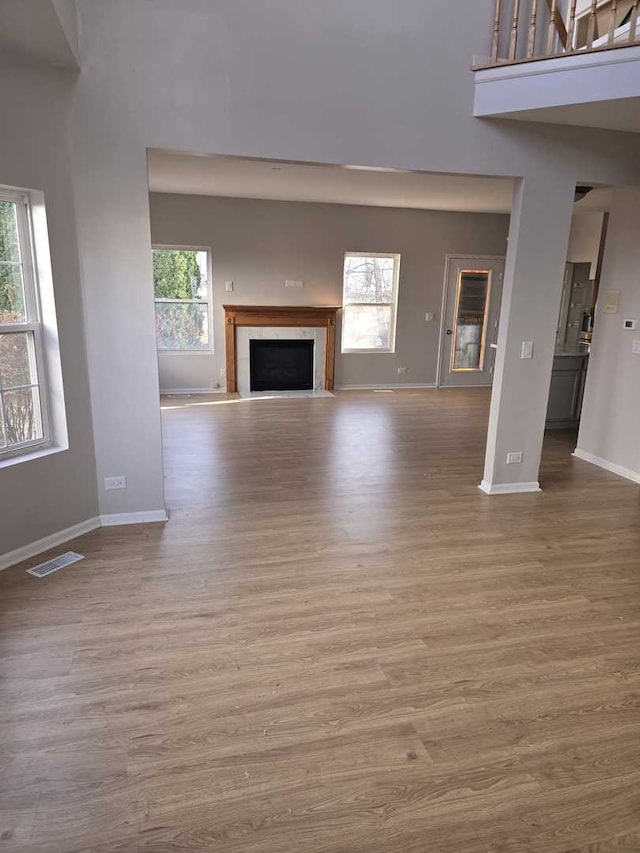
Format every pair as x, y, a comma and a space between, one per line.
185, 352
31, 454
367, 351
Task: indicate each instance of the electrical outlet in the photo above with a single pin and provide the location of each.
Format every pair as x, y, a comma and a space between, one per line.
290, 282
222, 372
228, 286
515, 457
429, 317
402, 370
635, 347
111, 483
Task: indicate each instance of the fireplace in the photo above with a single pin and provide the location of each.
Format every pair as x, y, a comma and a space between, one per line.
250, 318
281, 365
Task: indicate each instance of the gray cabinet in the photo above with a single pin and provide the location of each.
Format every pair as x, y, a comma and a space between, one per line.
566, 391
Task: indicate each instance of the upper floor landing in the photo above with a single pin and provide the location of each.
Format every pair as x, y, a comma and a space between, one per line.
571, 62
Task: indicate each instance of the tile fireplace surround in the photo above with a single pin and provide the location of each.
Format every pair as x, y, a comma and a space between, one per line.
280, 317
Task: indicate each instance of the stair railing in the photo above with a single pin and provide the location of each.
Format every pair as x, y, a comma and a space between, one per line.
535, 29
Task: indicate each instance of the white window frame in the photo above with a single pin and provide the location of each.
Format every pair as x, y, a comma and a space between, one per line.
209, 302
393, 304
33, 324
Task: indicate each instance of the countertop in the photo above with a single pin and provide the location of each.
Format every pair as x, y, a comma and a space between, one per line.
572, 351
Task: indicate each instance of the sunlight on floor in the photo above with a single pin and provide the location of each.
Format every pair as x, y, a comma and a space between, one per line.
249, 399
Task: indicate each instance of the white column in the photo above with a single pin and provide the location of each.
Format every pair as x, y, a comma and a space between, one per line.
531, 294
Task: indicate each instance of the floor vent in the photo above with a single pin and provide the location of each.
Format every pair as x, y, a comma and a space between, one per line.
51, 566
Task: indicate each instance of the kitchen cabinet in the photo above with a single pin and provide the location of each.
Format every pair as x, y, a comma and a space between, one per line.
567, 387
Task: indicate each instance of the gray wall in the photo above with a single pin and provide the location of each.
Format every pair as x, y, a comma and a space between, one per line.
43, 496
259, 244
609, 428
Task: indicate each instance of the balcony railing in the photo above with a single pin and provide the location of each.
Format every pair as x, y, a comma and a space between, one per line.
525, 30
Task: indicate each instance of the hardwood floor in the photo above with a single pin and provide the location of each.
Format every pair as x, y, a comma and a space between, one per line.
337, 645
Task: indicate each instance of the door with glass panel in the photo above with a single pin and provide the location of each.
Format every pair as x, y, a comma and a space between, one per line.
471, 314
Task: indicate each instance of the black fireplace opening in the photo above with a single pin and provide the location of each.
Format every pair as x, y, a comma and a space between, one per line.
281, 365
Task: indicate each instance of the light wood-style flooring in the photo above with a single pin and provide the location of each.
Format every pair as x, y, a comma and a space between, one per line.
337, 645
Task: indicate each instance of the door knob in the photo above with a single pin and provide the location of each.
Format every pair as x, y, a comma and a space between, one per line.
449, 332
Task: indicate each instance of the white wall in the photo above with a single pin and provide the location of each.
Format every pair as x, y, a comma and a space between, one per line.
68, 15
259, 244
43, 496
610, 423
40, 31
357, 82
584, 238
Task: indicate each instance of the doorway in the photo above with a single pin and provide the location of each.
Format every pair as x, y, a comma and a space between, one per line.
471, 311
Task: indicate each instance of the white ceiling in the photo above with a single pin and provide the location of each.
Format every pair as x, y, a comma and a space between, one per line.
235, 177
171, 172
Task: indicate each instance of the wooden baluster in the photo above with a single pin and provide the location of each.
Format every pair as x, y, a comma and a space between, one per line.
591, 28
571, 24
633, 22
495, 44
556, 25
513, 40
612, 21
531, 46
553, 23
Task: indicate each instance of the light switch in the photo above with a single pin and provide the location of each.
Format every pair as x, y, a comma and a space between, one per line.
527, 349
228, 286
429, 316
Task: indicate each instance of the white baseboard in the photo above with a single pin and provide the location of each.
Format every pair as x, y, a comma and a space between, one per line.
190, 392
620, 470
381, 386
508, 488
147, 517
62, 536
52, 541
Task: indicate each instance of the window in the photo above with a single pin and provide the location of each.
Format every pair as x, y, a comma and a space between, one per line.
369, 302
181, 287
470, 320
23, 411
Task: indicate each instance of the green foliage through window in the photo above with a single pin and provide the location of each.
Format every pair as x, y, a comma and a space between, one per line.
21, 412
12, 309
181, 293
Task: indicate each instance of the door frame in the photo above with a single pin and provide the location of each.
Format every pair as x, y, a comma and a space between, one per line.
450, 258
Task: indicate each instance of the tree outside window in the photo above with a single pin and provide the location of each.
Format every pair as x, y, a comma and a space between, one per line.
369, 302
22, 416
181, 289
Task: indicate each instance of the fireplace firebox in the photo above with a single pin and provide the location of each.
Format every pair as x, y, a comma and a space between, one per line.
281, 365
